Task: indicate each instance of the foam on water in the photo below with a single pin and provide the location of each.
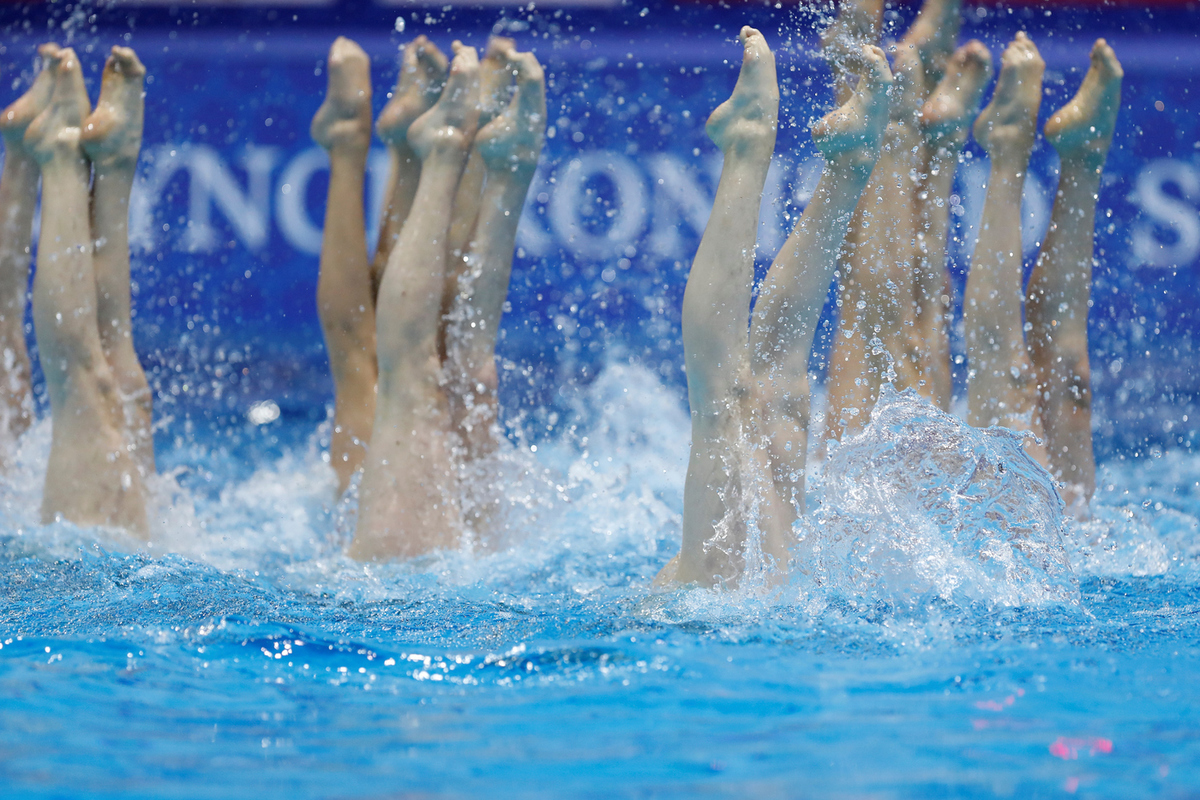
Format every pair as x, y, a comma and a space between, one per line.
919, 505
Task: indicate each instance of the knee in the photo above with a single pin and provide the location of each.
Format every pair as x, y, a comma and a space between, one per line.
1070, 377
484, 380
784, 400
1078, 383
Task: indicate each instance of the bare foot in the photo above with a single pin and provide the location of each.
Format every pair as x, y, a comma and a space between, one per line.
851, 135
112, 135
344, 119
933, 34
1083, 128
948, 112
453, 120
513, 140
422, 75
857, 24
496, 78
56, 131
748, 120
1009, 123
16, 118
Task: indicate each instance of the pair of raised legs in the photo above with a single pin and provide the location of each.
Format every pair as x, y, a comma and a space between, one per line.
412, 337
749, 394
1040, 382
102, 448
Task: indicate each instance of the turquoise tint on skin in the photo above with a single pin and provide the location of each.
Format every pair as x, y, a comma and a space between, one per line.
262, 663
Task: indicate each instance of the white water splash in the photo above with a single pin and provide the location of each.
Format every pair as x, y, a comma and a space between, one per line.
919, 503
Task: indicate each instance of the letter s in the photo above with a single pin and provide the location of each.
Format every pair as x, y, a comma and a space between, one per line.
1166, 212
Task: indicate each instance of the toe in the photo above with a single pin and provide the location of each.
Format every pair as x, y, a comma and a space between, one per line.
527, 67
500, 48
877, 65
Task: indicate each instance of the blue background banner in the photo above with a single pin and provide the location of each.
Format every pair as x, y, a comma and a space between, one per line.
228, 208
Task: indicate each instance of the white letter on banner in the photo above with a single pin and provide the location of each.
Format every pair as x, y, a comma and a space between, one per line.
1162, 212
627, 214
291, 214
771, 234
213, 184
379, 168
159, 165
677, 194
532, 236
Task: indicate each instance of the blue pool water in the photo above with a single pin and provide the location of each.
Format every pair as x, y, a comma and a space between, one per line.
242, 656
928, 649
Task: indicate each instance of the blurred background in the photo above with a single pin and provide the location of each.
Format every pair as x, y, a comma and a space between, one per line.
227, 214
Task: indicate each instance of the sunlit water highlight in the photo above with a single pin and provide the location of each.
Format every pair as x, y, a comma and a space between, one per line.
954, 636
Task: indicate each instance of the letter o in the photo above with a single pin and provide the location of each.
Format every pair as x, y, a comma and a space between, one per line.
630, 205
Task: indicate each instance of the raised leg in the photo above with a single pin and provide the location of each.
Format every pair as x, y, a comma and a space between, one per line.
508, 149
1001, 386
422, 75
875, 293
495, 83
793, 293
879, 337
18, 198
112, 138
91, 478
345, 299
408, 501
1056, 306
945, 122
716, 310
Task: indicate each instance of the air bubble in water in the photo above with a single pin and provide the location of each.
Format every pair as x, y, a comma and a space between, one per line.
399, 24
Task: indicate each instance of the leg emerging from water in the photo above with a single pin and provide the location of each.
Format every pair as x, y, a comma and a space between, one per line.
716, 310
1001, 386
1057, 304
945, 122
507, 149
875, 293
18, 198
112, 138
345, 299
91, 478
495, 83
790, 301
875, 340
422, 75
408, 504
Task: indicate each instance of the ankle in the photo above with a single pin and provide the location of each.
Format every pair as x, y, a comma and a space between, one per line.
116, 164
853, 167
1009, 158
65, 162
352, 155
1082, 166
16, 156
115, 171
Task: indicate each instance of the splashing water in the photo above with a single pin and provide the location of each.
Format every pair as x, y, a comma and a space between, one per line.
920, 503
